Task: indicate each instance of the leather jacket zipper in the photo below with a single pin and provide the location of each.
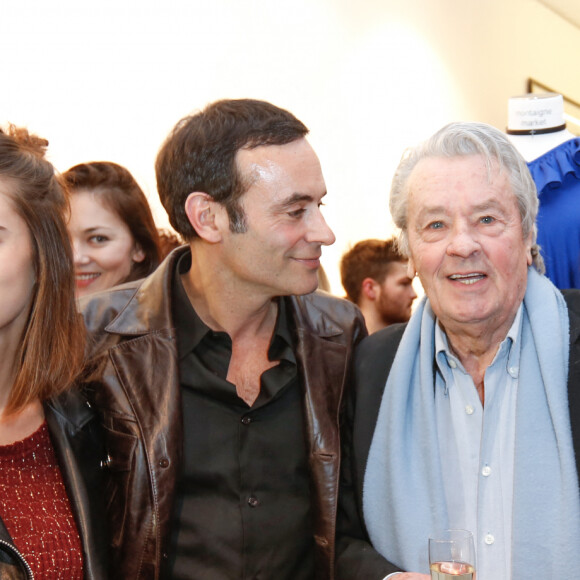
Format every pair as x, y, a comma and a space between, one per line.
12, 548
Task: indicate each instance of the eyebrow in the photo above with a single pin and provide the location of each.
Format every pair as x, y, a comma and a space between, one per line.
441, 209
96, 228
293, 199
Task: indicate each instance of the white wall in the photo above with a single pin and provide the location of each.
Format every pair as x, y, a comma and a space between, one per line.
108, 80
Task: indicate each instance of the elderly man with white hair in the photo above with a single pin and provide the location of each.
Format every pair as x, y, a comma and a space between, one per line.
468, 416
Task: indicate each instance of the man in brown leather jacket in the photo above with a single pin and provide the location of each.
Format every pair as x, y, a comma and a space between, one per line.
220, 377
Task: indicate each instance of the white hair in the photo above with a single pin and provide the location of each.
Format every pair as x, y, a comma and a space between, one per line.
457, 139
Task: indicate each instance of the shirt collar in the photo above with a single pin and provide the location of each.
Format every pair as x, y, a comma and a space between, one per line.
443, 353
282, 344
191, 329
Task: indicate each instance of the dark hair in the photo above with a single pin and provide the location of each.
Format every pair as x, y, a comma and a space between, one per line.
367, 259
52, 346
168, 241
121, 193
200, 155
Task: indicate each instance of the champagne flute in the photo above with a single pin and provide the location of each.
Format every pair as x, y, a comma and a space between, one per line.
452, 555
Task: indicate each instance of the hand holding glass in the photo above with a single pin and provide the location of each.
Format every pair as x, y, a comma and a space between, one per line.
452, 555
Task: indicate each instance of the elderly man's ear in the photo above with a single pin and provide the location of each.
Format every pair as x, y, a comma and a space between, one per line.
529, 250
206, 216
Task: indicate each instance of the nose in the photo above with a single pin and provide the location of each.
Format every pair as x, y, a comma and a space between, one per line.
319, 231
79, 256
463, 241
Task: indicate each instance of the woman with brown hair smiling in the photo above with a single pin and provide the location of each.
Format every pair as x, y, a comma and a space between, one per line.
50, 525
112, 229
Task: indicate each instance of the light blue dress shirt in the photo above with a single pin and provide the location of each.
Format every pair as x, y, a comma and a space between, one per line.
477, 448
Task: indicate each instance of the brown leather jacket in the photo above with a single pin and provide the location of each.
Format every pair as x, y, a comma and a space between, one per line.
135, 385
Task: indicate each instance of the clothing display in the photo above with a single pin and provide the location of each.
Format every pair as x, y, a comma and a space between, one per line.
557, 178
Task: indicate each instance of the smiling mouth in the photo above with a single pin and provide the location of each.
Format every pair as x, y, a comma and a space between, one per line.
84, 280
467, 279
310, 261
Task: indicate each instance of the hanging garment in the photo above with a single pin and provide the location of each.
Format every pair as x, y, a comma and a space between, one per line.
557, 177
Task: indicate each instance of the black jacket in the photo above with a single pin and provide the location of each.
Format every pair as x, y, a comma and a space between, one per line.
75, 433
355, 556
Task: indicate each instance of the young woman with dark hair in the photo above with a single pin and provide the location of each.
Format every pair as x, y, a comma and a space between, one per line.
111, 226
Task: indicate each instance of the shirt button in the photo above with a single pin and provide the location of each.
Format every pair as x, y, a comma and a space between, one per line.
469, 410
253, 501
486, 471
246, 420
513, 371
164, 462
452, 363
489, 539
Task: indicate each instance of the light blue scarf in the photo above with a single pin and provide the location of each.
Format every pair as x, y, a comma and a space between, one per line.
403, 496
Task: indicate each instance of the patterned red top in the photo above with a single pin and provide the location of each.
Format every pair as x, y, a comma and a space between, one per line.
35, 508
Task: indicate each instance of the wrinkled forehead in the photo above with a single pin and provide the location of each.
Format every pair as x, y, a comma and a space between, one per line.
459, 166
465, 183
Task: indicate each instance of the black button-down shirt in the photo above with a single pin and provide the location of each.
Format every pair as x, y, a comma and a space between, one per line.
243, 501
